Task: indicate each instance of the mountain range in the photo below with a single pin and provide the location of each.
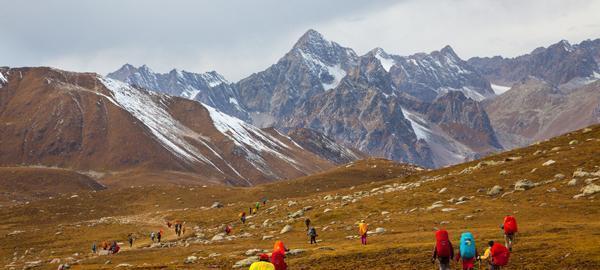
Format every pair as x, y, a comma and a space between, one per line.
88, 123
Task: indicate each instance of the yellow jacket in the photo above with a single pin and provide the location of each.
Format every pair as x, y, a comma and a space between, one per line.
486, 254
262, 266
362, 228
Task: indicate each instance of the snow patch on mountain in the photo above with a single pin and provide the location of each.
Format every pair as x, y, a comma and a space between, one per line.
3, 80
250, 138
418, 124
168, 131
499, 89
386, 62
317, 67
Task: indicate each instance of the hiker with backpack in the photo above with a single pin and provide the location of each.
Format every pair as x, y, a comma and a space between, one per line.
152, 236
257, 206
467, 251
312, 233
130, 240
362, 231
442, 251
278, 255
159, 235
94, 248
496, 254
510, 230
243, 217
263, 263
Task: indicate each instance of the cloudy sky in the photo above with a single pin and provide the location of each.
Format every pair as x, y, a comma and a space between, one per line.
239, 37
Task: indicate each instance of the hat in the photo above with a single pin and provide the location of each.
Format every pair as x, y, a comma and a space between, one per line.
263, 257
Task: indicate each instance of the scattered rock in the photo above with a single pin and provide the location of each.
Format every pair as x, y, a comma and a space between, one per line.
125, 265
573, 142
524, 184
291, 203
385, 213
218, 237
590, 180
559, 176
379, 230
307, 208
573, 182
190, 260
217, 205
586, 130
552, 190
328, 198
448, 209
252, 252
294, 252
495, 190
55, 261
327, 210
549, 162
443, 190
297, 214
444, 222
590, 189
245, 262
504, 172
286, 229
267, 237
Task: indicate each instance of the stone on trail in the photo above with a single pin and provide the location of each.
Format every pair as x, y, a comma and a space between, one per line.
286, 229
294, 252
548, 163
379, 230
217, 205
443, 190
327, 210
495, 190
267, 237
190, 260
252, 252
124, 265
297, 214
524, 184
218, 237
573, 182
448, 209
245, 262
590, 189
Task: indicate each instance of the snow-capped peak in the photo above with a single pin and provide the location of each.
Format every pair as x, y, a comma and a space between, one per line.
385, 59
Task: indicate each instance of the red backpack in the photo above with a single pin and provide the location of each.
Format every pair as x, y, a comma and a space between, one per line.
500, 254
442, 244
510, 225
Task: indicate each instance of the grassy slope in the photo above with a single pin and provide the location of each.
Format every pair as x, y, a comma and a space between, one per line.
557, 231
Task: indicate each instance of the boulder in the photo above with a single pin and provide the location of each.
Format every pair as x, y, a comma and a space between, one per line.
286, 229
294, 252
590, 189
495, 190
190, 260
548, 163
524, 184
573, 182
245, 262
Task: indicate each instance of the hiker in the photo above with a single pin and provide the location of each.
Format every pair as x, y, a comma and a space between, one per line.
94, 248
307, 223
243, 217
496, 254
104, 245
114, 248
442, 251
182, 229
263, 263
467, 251
159, 235
510, 230
278, 256
152, 236
362, 231
169, 224
130, 239
250, 210
257, 206
312, 232
264, 201
227, 229
178, 229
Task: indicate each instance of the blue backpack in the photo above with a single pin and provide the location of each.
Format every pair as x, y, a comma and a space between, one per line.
467, 245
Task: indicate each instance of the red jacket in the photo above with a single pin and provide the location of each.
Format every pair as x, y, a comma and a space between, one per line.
278, 260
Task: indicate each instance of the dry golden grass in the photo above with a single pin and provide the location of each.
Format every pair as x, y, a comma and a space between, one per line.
556, 231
